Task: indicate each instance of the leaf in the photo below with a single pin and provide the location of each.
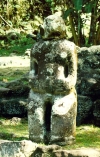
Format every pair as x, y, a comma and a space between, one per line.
2, 43
48, 1
5, 80
16, 6
66, 13
78, 4
88, 7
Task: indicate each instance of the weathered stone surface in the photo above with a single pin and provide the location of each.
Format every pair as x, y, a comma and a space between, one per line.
5, 148
59, 115
18, 88
96, 112
88, 82
13, 107
14, 91
13, 97
89, 152
15, 88
45, 151
4, 92
60, 153
95, 91
54, 27
53, 99
84, 110
27, 148
83, 152
17, 149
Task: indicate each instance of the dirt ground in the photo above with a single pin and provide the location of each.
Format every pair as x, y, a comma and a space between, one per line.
13, 67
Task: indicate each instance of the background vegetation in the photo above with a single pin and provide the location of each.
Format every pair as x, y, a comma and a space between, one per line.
18, 18
22, 17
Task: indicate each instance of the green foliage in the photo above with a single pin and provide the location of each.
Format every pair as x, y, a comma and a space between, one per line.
49, 1
17, 46
89, 7
16, 12
67, 13
75, 10
78, 4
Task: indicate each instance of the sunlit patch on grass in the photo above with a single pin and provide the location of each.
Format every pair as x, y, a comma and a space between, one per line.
12, 131
86, 136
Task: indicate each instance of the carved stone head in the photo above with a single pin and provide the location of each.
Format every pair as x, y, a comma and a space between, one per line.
54, 27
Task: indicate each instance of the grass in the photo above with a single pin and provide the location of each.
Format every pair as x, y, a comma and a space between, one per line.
17, 49
13, 131
7, 78
10, 74
86, 135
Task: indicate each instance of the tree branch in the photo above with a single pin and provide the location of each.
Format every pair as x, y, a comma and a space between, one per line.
5, 21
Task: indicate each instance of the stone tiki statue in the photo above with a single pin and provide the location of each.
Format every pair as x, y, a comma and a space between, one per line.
52, 100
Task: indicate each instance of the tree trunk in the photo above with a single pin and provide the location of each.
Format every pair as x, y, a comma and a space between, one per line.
73, 30
92, 34
98, 35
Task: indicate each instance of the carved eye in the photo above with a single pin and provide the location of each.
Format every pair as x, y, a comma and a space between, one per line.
66, 70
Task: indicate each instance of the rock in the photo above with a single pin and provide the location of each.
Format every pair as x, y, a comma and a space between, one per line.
28, 148
15, 88
54, 29
12, 35
13, 97
83, 152
9, 149
60, 153
17, 149
88, 152
13, 107
84, 110
45, 151
85, 83
2, 84
15, 120
95, 91
96, 112
19, 91
4, 92
27, 52
88, 82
